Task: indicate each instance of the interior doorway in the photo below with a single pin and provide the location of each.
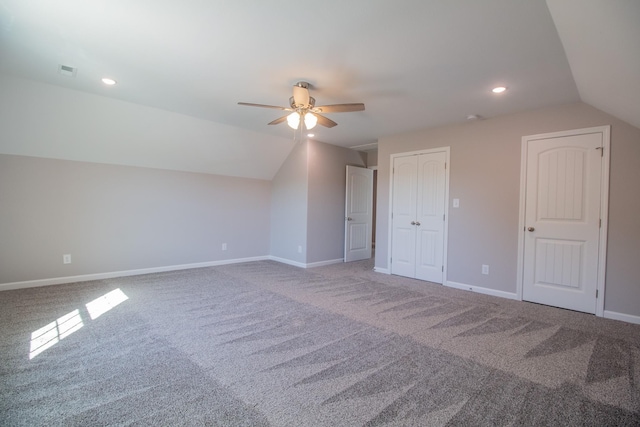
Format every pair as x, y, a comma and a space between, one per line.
358, 214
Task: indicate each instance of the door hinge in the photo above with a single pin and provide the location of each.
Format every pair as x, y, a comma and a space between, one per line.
596, 293
443, 268
600, 226
443, 216
390, 260
445, 165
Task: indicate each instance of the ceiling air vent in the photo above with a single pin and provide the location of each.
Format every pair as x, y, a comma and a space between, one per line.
67, 70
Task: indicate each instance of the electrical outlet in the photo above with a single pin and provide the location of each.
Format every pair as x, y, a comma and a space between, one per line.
224, 246
485, 269
299, 249
456, 203
66, 259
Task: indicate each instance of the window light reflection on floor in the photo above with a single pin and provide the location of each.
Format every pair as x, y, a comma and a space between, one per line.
51, 334
106, 302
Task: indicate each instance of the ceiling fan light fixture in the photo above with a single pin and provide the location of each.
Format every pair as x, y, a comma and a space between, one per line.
310, 121
293, 120
303, 109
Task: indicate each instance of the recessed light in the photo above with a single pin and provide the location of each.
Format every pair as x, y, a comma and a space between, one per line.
108, 81
498, 89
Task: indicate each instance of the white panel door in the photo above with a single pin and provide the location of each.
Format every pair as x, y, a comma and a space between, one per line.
430, 206
418, 207
562, 221
358, 214
403, 216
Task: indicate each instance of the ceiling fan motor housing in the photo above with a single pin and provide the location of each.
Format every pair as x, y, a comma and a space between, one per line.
312, 103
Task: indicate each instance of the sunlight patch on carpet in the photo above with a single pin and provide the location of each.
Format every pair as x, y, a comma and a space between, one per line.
106, 302
49, 335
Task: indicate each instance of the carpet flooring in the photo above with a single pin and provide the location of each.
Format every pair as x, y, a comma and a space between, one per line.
267, 344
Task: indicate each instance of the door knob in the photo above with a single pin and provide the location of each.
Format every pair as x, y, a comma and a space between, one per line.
413, 223
418, 223
349, 218
531, 229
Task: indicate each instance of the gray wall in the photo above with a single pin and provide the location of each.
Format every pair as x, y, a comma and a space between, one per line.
372, 158
117, 218
289, 203
485, 176
327, 182
307, 207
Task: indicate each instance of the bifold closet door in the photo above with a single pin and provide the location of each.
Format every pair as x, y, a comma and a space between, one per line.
403, 216
418, 207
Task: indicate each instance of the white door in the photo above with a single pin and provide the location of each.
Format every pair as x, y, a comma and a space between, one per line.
403, 216
430, 218
358, 214
562, 220
418, 216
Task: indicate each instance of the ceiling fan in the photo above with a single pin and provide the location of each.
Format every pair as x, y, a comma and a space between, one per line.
303, 109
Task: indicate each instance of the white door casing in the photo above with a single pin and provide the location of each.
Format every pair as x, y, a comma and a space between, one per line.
418, 215
358, 214
563, 219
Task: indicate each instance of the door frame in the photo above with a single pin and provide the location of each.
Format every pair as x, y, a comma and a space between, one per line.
445, 236
604, 206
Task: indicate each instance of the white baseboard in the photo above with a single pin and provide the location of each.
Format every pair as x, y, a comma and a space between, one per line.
381, 270
481, 290
629, 318
287, 261
323, 263
113, 274
305, 265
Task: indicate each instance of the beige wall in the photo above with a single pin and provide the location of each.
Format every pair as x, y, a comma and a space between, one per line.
120, 218
485, 176
308, 203
372, 158
289, 205
327, 183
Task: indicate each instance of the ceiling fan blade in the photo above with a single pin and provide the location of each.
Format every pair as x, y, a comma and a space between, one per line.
323, 121
248, 104
339, 108
301, 96
279, 120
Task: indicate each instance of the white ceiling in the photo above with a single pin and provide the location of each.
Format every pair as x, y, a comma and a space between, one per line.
602, 42
414, 63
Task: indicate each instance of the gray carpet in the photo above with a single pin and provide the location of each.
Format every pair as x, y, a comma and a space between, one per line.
269, 344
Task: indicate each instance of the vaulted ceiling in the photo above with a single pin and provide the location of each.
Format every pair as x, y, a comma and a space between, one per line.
414, 63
